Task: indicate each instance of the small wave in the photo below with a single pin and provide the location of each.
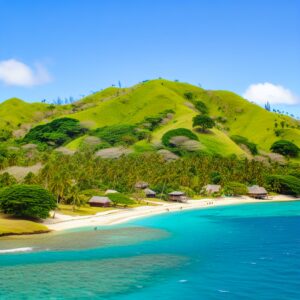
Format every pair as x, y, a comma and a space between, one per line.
183, 281
223, 291
25, 249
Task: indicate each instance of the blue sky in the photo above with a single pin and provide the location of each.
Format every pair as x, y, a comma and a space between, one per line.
68, 48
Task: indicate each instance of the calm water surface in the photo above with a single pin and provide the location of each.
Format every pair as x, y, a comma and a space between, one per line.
247, 251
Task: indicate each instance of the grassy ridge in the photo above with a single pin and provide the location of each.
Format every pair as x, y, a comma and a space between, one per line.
131, 105
15, 111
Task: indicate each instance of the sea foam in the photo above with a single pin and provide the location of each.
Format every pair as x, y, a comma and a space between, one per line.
15, 250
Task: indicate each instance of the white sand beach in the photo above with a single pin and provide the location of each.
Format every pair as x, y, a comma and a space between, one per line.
117, 216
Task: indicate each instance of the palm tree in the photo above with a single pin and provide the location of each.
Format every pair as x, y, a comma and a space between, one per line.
57, 186
74, 194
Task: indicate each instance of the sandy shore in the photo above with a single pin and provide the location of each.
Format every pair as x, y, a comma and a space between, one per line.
112, 217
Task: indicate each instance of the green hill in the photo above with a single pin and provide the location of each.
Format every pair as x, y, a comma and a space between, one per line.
113, 106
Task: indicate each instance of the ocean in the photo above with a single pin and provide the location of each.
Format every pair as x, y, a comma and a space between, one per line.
249, 251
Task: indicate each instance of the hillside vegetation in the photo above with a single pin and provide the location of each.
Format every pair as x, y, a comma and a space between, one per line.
142, 108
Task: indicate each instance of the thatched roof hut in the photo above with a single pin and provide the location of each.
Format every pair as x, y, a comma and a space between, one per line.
111, 192
177, 196
212, 188
141, 185
149, 193
258, 192
100, 201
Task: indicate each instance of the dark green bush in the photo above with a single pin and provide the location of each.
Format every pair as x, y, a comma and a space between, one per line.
215, 177
30, 201
55, 133
240, 140
284, 184
155, 121
189, 95
120, 134
178, 132
285, 148
201, 107
203, 121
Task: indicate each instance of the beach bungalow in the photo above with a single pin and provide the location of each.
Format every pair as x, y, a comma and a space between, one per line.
177, 196
100, 201
149, 193
110, 192
212, 189
141, 185
257, 192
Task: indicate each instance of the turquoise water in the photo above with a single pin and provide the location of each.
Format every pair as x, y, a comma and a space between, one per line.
233, 252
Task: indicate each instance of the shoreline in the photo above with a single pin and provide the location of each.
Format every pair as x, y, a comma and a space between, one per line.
118, 216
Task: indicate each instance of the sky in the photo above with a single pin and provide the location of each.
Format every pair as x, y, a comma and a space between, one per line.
54, 48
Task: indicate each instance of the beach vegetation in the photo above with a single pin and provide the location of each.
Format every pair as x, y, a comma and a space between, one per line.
234, 188
119, 199
28, 201
284, 184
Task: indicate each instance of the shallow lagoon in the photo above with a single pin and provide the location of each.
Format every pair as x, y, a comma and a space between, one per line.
249, 251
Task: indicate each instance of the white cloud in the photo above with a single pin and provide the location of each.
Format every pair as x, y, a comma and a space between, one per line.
274, 94
14, 72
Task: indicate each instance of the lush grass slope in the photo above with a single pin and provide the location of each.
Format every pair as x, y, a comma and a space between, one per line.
15, 112
131, 105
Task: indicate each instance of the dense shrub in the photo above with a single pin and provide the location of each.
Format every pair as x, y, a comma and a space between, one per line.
55, 133
178, 132
240, 140
284, 184
120, 134
235, 189
31, 201
155, 121
120, 199
285, 148
5, 135
201, 107
203, 121
6, 180
189, 95
215, 177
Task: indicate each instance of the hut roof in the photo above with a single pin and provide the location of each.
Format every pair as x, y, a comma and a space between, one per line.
99, 199
141, 185
212, 188
255, 189
177, 193
111, 192
149, 192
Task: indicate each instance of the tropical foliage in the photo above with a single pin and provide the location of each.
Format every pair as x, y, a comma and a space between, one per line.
285, 148
120, 134
285, 184
204, 122
235, 189
29, 201
55, 133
